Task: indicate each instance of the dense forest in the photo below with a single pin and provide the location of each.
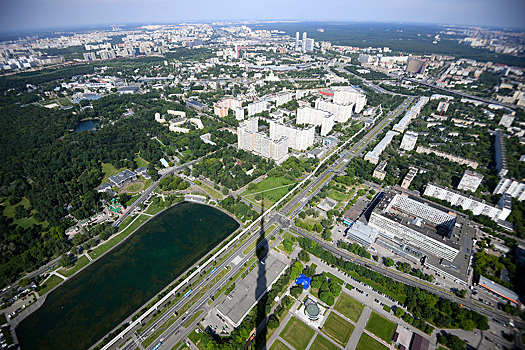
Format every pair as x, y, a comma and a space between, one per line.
413, 38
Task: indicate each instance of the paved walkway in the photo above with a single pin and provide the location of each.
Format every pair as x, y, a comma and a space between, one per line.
359, 328
87, 256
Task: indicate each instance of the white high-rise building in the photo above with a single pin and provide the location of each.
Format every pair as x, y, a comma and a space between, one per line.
257, 107
239, 113
304, 42
297, 41
409, 140
470, 181
308, 45
345, 95
299, 139
341, 112
513, 188
282, 98
317, 117
250, 140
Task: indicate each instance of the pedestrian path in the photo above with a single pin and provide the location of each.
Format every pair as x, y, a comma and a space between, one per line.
87, 256
359, 328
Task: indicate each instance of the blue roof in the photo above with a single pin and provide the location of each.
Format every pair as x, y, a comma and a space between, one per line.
303, 280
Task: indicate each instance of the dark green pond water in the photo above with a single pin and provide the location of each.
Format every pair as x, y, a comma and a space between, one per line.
91, 304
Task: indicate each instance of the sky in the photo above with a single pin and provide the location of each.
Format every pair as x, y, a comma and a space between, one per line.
23, 15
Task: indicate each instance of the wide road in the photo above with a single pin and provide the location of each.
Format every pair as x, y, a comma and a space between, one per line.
297, 203
172, 335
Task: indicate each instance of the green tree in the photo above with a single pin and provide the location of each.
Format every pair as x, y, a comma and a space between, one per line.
389, 262
304, 256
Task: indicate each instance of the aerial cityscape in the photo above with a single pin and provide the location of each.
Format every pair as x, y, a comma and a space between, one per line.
275, 175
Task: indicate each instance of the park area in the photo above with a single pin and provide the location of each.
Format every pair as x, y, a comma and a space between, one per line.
349, 307
381, 327
321, 343
269, 190
338, 329
366, 342
297, 334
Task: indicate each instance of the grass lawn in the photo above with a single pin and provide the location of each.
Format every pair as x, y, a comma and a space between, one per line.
196, 339
333, 278
153, 209
349, 307
140, 162
3, 319
211, 191
381, 327
148, 183
338, 196
322, 343
338, 329
366, 342
288, 235
275, 188
109, 170
125, 223
50, 284
118, 238
297, 334
192, 318
133, 199
279, 345
135, 187
80, 263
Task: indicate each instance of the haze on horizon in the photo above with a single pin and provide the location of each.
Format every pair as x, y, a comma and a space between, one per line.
24, 15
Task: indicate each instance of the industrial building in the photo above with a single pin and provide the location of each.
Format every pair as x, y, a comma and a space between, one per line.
499, 290
423, 231
251, 289
373, 155
470, 181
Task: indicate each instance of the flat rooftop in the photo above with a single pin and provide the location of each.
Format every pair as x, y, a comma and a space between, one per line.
245, 294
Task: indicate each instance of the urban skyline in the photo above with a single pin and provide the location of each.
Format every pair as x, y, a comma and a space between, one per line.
51, 14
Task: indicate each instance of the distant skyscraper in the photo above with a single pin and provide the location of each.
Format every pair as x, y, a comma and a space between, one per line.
308, 45
304, 41
297, 41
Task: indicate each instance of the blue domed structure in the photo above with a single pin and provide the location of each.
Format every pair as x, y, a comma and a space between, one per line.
304, 281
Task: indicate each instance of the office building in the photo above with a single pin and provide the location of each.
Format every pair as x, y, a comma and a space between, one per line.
424, 232
345, 95
476, 205
299, 138
408, 143
412, 172
380, 170
341, 112
363, 58
297, 41
453, 158
470, 181
304, 41
501, 154
513, 188
373, 155
317, 117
